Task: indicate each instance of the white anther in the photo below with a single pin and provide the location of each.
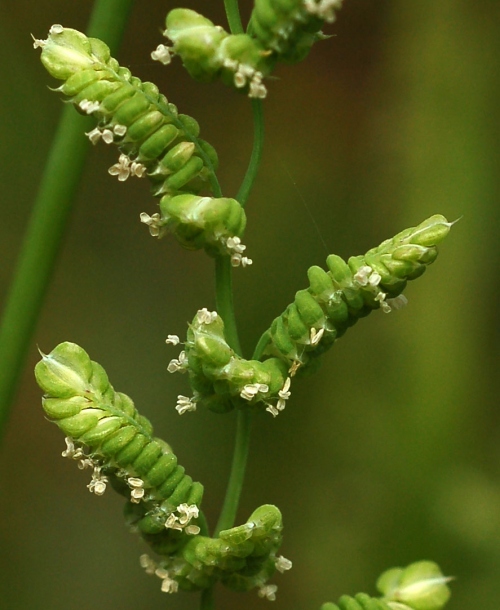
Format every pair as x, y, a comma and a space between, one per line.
94, 136
316, 335
268, 592
384, 306
137, 169
37, 43
120, 130
147, 563
397, 302
156, 225
169, 585
246, 70
107, 136
281, 404
240, 80
295, 367
172, 523
362, 275
185, 404
230, 64
172, 339
71, 451
121, 169
89, 107
136, 495
98, 483
187, 512
178, 364
162, 54
86, 463
252, 389
272, 409
137, 486
234, 244
57, 28
257, 89
282, 564
374, 279
285, 393
206, 317
192, 530
323, 9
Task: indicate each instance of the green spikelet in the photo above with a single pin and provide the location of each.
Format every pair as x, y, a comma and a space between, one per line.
289, 28
361, 601
208, 52
337, 298
153, 138
203, 222
419, 586
105, 431
222, 380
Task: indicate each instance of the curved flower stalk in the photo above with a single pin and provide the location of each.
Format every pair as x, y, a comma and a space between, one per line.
105, 432
153, 138
222, 380
338, 298
289, 28
242, 558
419, 586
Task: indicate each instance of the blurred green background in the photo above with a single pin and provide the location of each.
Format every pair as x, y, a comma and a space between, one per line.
391, 453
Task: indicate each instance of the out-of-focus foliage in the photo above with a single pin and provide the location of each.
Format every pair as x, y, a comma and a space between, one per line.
389, 454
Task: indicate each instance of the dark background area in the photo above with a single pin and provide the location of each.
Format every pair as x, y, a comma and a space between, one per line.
391, 452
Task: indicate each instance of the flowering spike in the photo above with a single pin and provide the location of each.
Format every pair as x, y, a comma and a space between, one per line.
336, 299
123, 452
153, 139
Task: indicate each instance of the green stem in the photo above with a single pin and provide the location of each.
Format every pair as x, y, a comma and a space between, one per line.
224, 300
237, 475
207, 599
50, 215
261, 345
226, 311
255, 159
233, 16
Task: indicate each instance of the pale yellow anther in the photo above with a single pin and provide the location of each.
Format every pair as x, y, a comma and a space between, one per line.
162, 54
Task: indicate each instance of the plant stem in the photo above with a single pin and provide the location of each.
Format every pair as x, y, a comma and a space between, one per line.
226, 310
207, 599
238, 467
233, 16
255, 159
49, 218
261, 345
